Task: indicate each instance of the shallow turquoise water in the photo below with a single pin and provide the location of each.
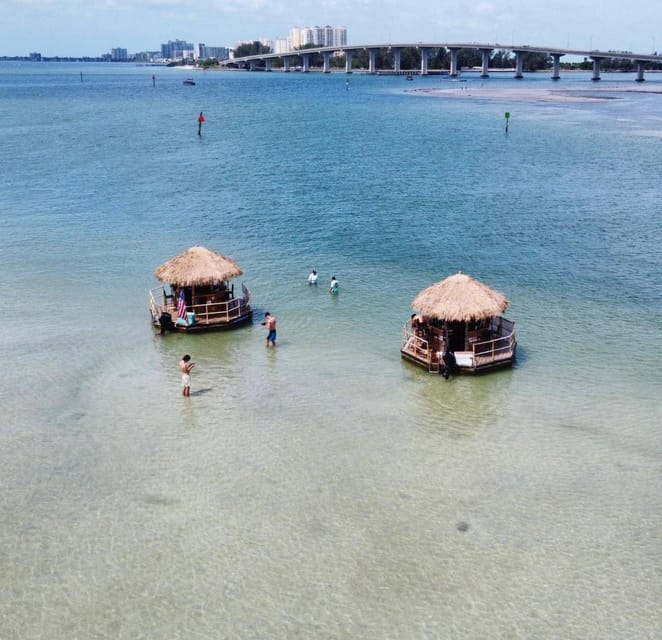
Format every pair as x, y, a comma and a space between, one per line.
316, 490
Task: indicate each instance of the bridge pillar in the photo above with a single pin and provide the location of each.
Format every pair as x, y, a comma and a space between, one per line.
556, 73
251, 65
519, 64
596, 69
640, 71
372, 60
396, 59
286, 64
327, 61
453, 71
348, 61
486, 63
424, 60
306, 62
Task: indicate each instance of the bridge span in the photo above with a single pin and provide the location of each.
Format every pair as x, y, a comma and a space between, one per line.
425, 48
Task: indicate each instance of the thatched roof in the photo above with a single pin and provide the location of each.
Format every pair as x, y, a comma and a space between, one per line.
197, 266
460, 298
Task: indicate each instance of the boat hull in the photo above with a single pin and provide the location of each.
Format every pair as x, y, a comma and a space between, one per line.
463, 364
204, 327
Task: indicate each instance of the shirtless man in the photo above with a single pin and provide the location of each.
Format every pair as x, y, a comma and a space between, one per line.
270, 323
185, 366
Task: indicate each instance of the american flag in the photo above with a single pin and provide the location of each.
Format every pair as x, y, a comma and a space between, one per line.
181, 306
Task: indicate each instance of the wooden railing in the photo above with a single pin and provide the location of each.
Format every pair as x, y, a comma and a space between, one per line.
211, 312
156, 308
493, 350
484, 351
414, 342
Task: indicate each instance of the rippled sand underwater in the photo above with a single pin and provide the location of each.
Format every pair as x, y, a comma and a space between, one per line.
325, 488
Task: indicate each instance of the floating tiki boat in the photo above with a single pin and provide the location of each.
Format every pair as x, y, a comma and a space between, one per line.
459, 327
196, 294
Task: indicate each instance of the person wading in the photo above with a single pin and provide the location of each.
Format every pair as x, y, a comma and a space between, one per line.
270, 323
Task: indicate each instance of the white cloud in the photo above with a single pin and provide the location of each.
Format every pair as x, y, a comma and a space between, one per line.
93, 25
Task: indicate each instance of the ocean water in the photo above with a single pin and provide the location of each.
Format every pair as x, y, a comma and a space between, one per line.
325, 488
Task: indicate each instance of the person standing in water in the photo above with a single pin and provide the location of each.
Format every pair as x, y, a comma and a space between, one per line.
185, 366
270, 323
333, 287
312, 278
201, 119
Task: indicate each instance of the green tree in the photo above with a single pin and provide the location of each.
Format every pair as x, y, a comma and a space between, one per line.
439, 59
536, 61
360, 59
502, 60
410, 58
469, 58
338, 62
314, 59
384, 59
253, 49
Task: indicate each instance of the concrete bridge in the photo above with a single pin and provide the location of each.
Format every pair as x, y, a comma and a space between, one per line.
426, 47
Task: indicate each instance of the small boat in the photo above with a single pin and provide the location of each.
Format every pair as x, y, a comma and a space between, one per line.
458, 328
410, 77
197, 295
189, 81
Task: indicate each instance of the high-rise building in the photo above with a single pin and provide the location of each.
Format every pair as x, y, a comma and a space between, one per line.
294, 39
319, 36
119, 55
177, 50
203, 52
339, 37
280, 45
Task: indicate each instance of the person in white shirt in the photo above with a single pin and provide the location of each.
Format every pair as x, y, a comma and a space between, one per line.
333, 287
312, 278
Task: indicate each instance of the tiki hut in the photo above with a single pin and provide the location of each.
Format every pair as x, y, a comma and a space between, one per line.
198, 266
460, 316
197, 291
460, 298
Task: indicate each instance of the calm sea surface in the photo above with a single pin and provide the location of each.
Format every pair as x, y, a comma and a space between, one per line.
327, 489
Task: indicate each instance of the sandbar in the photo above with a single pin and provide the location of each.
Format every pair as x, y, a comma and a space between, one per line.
487, 91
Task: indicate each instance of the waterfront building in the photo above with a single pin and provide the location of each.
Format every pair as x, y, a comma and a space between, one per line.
280, 45
203, 52
177, 50
119, 55
339, 37
327, 36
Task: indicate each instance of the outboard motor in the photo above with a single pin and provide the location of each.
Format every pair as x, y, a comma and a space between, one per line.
166, 323
450, 365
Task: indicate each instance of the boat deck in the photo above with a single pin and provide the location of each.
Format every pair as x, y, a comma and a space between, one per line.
212, 314
486, 351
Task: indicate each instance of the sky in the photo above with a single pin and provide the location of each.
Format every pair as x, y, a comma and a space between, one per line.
93, 27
